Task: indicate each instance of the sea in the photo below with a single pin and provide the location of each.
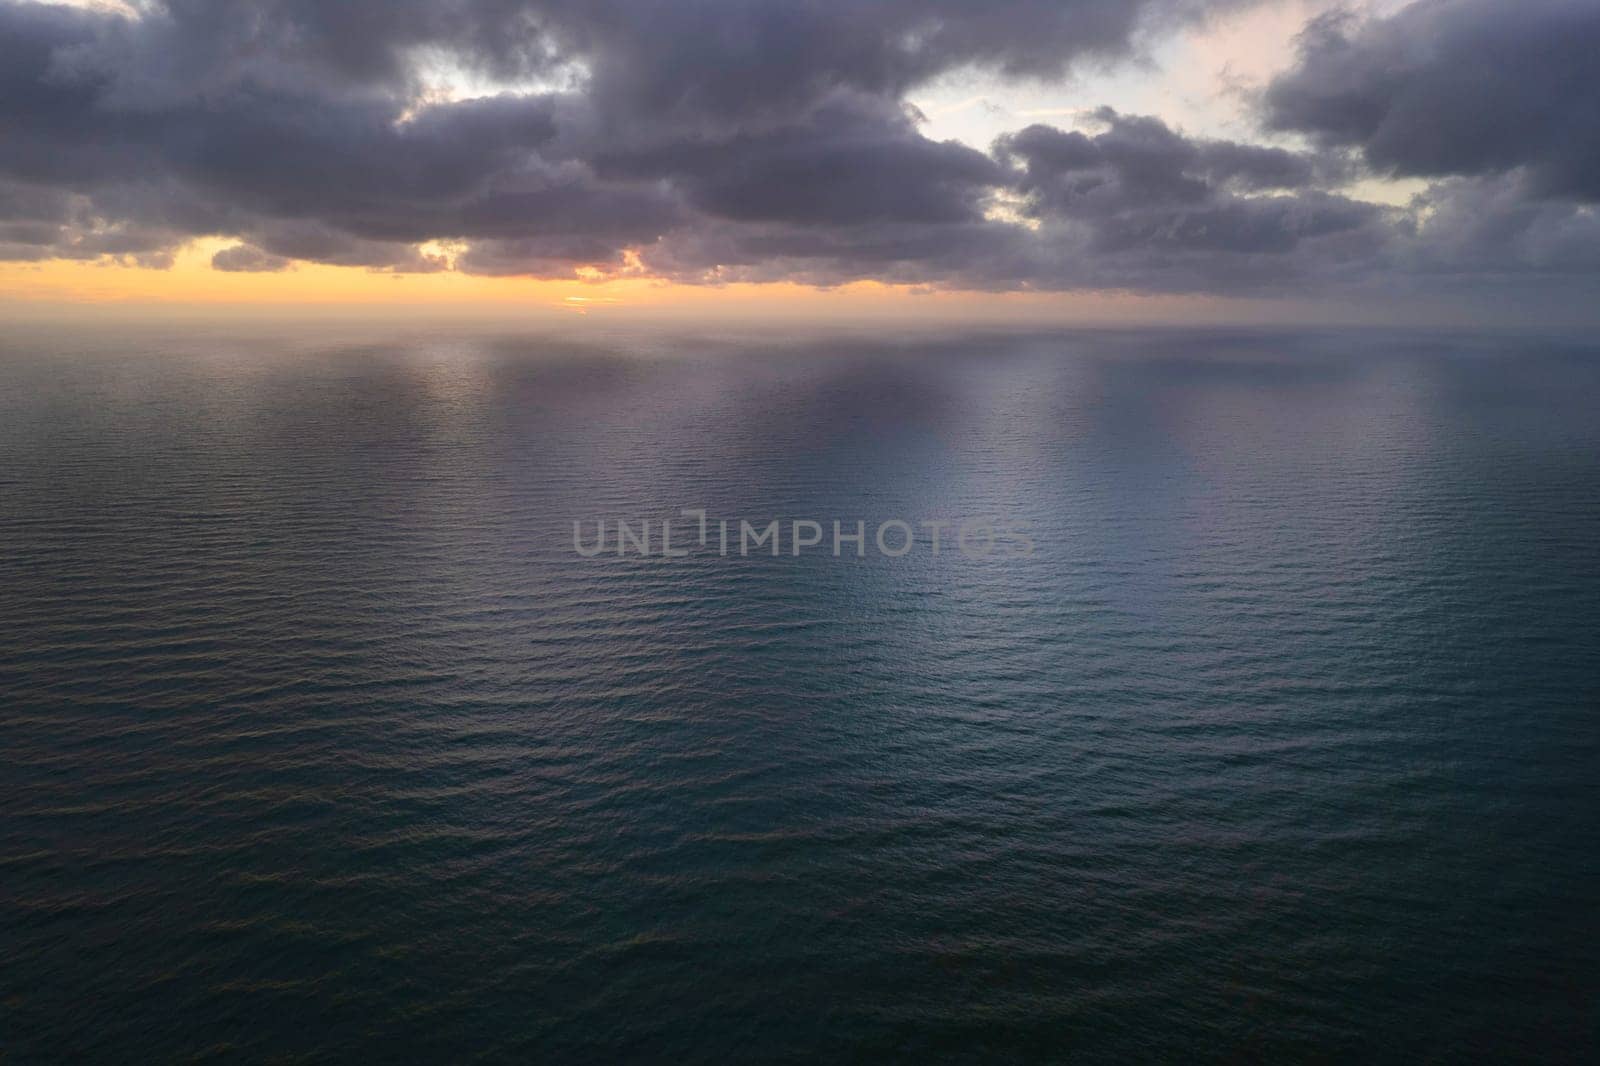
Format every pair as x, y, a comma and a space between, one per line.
353, 708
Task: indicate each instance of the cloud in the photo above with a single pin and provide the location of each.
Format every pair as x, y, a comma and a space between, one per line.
1138, 204
764, 140
1455, 88
244, 258
851, 162
1496, 226
1139, 162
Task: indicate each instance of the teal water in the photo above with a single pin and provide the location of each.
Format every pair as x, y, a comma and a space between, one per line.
320, 741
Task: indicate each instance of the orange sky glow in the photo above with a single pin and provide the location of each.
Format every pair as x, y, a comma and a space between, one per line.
192, 283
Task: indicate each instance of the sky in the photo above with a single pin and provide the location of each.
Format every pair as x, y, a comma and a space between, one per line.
1034, 160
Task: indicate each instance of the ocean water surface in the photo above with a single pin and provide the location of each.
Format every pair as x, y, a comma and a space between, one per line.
319, 741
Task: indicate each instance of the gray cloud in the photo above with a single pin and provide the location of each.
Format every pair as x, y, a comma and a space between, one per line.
744, 140
1139, 204
1139, 162
851, 162
245, 258
1456, 88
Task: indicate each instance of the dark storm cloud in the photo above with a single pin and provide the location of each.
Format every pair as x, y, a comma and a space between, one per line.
723, 60
1272, 224
1139, 198
300, 239
1456, 88
1138, 162
849, 163
1496, 226
754, 140
350, 41
707, 60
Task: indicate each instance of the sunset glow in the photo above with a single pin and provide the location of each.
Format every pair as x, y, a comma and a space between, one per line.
1155, 161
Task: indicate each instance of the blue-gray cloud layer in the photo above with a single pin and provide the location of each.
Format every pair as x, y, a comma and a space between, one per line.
742, 139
